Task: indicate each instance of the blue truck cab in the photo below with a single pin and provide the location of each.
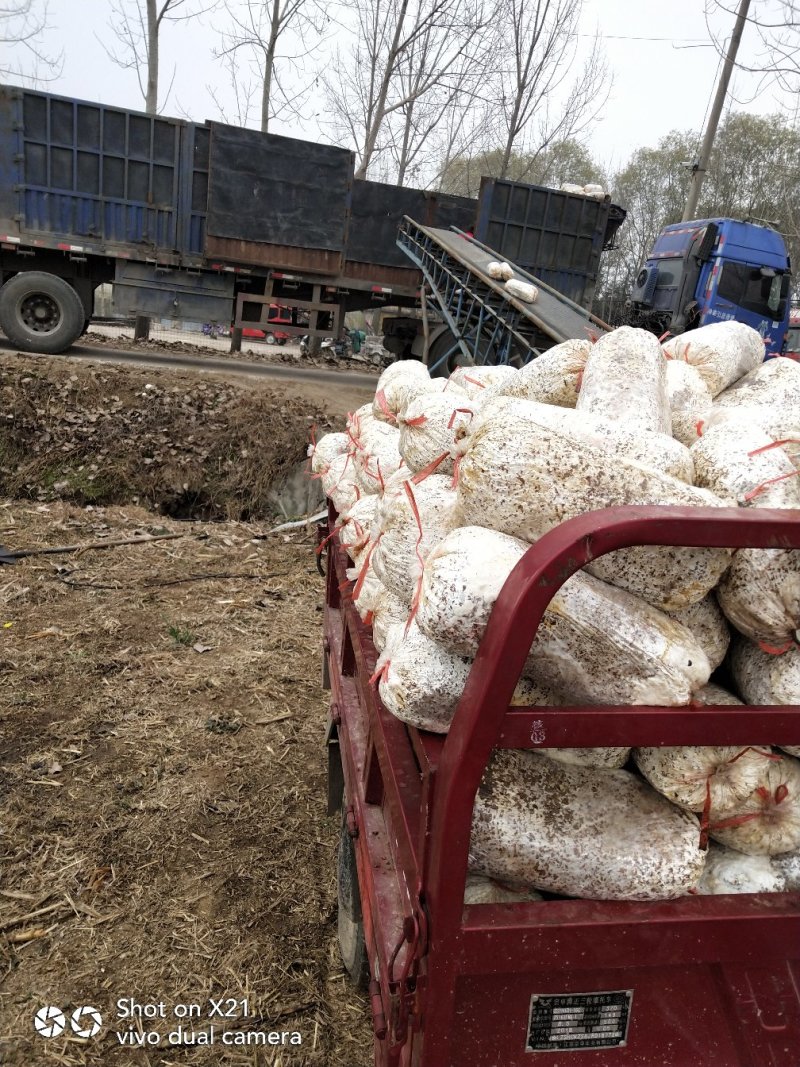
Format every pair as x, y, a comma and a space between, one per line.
711, 270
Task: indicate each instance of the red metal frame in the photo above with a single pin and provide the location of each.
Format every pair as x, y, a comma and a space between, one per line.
716, 980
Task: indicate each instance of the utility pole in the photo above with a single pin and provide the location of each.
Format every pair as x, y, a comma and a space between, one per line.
699, 169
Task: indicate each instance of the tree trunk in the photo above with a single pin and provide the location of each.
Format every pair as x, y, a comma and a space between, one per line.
378, 115
151, 99
269, 64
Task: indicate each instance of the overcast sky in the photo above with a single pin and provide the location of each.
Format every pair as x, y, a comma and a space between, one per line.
662, 79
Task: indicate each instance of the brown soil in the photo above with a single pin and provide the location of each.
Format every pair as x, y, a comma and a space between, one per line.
162, 769
187, 444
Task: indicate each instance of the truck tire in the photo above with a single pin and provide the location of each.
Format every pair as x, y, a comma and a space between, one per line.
350, 925
40, 312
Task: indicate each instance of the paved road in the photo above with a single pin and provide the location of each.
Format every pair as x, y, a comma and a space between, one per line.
220, 365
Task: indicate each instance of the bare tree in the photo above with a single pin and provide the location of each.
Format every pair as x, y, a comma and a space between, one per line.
258, 28
775, 27
403, 50
538, 100
23, 23
137, 26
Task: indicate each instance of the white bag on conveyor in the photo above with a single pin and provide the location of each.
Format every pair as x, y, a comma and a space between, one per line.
477, 381
707, 623
760, 593
499, 269
596, 644
329, 446
422, 682
723, 352
693, 775
769, 397
431, 429
690, 400
339, 482
765, 678
523, 479
410, 521
727, 871
601, 834
482, 890
552, 378
625, 381
521, 290
768, 821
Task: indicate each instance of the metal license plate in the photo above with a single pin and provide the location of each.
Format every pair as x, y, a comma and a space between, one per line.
578, 1021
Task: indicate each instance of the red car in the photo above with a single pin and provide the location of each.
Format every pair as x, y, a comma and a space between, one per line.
277, 314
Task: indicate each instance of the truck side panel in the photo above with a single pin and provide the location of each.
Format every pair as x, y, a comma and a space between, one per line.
276, 201
555, 236
99, 174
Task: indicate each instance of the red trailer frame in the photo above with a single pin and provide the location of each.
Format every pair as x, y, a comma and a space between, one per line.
701, 981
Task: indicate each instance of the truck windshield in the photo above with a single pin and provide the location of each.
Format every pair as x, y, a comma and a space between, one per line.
750, 289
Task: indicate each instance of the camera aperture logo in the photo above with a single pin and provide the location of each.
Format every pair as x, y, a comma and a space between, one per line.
51, 1021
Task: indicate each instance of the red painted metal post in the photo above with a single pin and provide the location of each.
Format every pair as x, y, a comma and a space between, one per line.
499, 663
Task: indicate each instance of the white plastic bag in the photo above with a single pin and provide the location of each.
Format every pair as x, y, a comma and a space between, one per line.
766, 678
625, 381
367, 588
421, 682
501, 270
768, 396
707, 623
788, 867
595, 643
476, 382
378, 458
723, 352
552, 378
718, 778
482, 890
339, 482
431, 429
410, 521
760, 593
355, 525
388, 611
523, 479
523, 291
690, 400
601, 834
768, 821
727, 871
325, 450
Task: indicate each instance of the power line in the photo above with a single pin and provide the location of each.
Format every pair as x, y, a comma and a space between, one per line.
626, 37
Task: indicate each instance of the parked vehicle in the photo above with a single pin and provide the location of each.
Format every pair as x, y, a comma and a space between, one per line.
792, 343
697, 981
711, 270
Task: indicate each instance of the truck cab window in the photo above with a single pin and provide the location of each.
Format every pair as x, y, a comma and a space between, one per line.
750, 289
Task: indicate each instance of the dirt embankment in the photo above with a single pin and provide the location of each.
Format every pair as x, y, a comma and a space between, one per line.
187, 445
162, 762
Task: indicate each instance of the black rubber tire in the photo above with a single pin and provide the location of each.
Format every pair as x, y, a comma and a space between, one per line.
26, 293
350, 926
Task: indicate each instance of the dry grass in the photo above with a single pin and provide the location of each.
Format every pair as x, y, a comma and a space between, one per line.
165, 806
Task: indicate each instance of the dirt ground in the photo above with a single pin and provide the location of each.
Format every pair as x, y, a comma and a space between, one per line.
162, 779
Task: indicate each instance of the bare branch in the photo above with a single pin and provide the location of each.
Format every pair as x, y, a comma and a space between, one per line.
23, 23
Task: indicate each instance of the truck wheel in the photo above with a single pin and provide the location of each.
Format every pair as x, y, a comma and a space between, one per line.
350, 927
40, 312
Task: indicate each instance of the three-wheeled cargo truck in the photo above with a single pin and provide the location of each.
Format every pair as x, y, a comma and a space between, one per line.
699, 981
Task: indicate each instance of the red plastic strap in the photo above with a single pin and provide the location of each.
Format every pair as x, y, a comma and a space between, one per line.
417, 592
781, 793
591, 335
698, 426
775, 650
464, 411
323, 543
474, 381
312, 433
362, 574
420, 420
379, 673
579, 380
383, 404
663, 338
770, 481
456, 471
368, 618
774, 444
420, 476
705, 825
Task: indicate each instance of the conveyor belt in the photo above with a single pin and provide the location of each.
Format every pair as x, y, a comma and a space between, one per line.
489, 325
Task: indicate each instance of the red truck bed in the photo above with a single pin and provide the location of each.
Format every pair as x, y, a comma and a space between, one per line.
702, 981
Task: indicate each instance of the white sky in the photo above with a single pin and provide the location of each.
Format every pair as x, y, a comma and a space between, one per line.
659, 85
